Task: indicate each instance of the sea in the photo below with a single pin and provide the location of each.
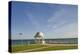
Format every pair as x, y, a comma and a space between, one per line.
48, 41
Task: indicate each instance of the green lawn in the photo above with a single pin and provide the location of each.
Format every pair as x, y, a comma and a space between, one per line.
58, 48
17, 48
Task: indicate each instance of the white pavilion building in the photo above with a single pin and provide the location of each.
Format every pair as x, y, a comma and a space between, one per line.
39, 38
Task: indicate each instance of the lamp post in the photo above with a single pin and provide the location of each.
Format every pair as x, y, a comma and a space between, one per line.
21, 40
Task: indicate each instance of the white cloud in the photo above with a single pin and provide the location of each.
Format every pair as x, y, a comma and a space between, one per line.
32, 19
70, 30
56, 16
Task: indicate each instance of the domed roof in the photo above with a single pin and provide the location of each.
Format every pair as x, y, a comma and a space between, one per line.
39, 34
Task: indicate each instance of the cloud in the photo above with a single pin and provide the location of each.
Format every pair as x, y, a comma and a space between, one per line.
56, 16
33, 20
61, 18
69, 30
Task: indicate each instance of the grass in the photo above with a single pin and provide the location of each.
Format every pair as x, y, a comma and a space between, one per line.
16, 48
58, 48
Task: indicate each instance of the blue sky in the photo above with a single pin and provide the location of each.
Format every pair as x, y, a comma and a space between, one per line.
54, 20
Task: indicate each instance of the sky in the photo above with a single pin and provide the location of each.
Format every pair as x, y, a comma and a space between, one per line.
54, 20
